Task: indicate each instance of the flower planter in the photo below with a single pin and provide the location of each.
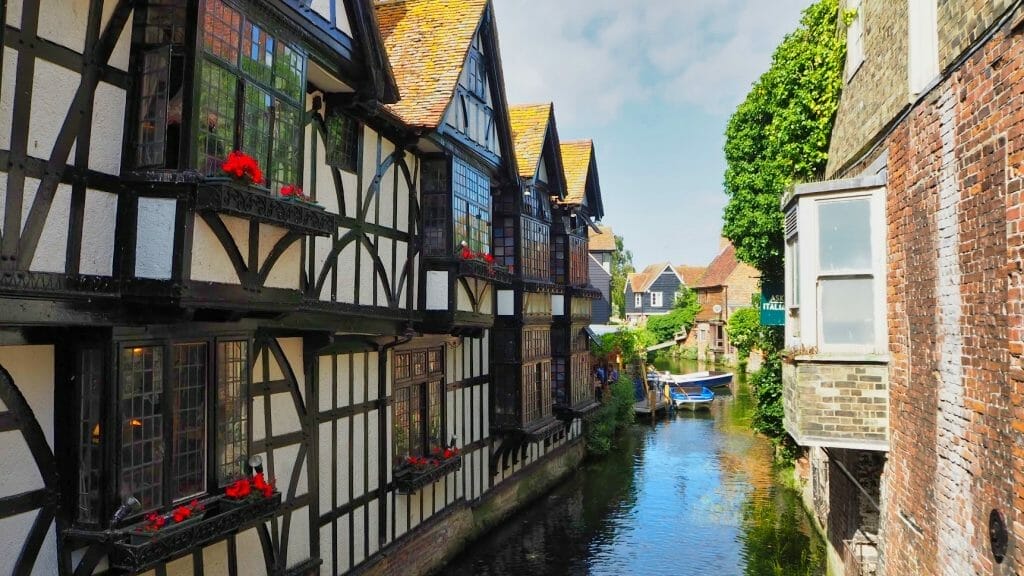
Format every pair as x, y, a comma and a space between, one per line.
409, 479
136, 550
254, 203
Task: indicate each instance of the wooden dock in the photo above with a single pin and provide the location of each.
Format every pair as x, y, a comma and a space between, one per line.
643, 408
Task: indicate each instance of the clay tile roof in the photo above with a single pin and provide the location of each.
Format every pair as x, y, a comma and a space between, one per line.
691, 275
636, 281
576, 163
720, 268
529, 126
427, 43
603, 242
641, 281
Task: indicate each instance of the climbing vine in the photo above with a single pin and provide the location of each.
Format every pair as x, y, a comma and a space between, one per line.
779, 135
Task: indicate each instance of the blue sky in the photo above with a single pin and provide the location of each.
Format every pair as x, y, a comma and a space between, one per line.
653, 82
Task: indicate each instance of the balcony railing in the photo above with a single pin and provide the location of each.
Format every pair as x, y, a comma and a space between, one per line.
837, 401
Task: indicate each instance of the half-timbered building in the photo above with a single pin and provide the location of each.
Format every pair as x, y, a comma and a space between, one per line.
269, 363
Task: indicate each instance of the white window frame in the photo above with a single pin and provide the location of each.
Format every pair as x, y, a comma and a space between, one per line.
805, 329
854, 38
656, 300
922, 45
638, 300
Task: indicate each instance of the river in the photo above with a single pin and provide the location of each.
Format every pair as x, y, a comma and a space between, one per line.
693, 494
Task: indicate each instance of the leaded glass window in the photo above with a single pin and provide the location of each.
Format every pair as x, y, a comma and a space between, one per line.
471, 191
157, 135
536, 250
232, 398
90, 449
188, 420
254, 80
142, 425
343, 142
418, 413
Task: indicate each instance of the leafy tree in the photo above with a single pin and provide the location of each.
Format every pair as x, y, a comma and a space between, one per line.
744, 330
681, 318
622, 266
779, 135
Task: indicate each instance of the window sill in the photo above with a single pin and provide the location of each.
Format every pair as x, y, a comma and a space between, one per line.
133, 550
484, 271
409, 479
228, 197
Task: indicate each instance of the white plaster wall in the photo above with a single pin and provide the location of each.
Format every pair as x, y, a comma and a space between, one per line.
12, 537
7, 95
506, 303
98, 225
372, 376
64, 22
350, 183
259, 428
51, 251
385, 216
59, 85
31, 367
343, 536
359, 534
463, 300
340, 20
107, 129
210, 262
386, 249
285, 461
298, 536
358, 473
359, 369
321, 249
437, 290
557, 305
215, 558
402, 193
373, 455
344, 374
367, 278
283, 410
402, 256
344, 477
122, 50
346, 288
326, 548
250, 553
180, 567
325, 383
154, 249
369, 168
14, 13
285, 273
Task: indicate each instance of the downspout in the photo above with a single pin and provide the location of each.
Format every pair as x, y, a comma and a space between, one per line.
383, 402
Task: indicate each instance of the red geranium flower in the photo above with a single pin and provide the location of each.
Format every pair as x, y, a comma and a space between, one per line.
239, 489
467, 254
181, 513
242, 166
260, 483
292, 190
448, 453
489, 258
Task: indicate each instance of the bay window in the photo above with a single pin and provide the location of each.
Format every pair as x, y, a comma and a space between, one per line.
456, 207
170, 396
841, 261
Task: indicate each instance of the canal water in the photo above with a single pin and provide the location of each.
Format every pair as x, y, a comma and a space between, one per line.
693, 494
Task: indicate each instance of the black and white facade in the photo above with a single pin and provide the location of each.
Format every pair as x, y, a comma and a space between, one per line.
166, 331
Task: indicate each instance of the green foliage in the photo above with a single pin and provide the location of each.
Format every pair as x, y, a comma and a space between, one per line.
616, 414
779, 135
631, 343
744, 331
663, 327
622, 265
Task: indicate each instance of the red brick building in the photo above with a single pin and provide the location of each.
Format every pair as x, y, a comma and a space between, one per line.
904, 282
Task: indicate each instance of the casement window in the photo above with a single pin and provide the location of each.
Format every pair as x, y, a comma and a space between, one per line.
251, 85
471, 191
853, 17
922, 44
456, 207
841, 262
182, 411
579, 271
719, 332
536, 249
418, 413
342, 141
656, 299
161, 54
638, 300
536, 395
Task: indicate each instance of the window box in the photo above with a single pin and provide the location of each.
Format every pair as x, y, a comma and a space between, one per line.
229, 197
134, 551
409, 479
484, 271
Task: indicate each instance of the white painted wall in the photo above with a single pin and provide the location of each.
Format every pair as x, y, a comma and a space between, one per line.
437, 290
98, 225
53, 243
155, 248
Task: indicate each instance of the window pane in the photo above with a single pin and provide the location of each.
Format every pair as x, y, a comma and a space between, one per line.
188, 420
343, 142
288, 72
215, 132
90, 375
142, 450
415, 421
259, 108
221, 31
165, 21
258, 53
847, 311
844, 238
472, 207
232, 411
151, 138
401, 424
435, 434
286, 154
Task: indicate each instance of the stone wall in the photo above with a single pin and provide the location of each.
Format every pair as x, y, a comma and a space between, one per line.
427, 548
956, 323
831, 403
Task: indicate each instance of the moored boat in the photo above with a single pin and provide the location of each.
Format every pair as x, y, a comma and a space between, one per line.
692, 397
709, 378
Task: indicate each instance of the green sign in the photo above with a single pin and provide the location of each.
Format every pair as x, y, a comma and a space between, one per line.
773, 305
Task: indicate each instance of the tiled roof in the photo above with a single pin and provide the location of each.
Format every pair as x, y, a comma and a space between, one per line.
576, 163
529, 126
603, 242
720, 268
427, 43
641, 281
691, 274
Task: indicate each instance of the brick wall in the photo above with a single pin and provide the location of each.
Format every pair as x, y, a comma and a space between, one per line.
742, 284
836, 403
956, 324
963, 22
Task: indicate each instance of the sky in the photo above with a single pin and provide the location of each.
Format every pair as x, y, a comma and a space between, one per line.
653, 83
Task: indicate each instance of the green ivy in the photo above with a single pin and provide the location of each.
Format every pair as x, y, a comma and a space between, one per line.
778, 136
744, 330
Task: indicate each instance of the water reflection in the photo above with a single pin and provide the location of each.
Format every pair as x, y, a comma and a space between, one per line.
693, 495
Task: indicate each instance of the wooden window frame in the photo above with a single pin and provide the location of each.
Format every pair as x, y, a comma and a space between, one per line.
417, 387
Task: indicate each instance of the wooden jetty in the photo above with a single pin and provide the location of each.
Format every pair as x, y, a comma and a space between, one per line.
643, 407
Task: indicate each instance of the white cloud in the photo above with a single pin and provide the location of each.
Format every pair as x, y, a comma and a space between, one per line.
592, 57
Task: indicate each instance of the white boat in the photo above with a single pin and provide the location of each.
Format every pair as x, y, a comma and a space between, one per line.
709, 378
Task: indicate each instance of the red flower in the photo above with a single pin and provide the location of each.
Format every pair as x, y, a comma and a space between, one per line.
181, 513
467, 254
489, 258
239, 489
448, 453
242, 166
260, 483
292, 190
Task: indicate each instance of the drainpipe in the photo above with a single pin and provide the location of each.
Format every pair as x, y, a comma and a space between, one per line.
382, 427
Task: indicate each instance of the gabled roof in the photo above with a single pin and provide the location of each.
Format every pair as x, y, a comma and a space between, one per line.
720, 268
427, 43
598, 264
529, 127
367, 32
603, 242
576, 157
691, 275
641, 281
